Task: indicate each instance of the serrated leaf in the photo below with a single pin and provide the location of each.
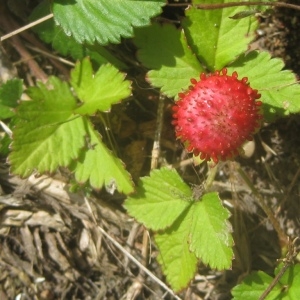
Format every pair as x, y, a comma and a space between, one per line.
215, 38
187, 228
210, 232
66, 45
104, 21
50, 33
100, 90
100, 167
10, 93
160, 199
164, 49
253, 286
178, 263
278, 88
47, 134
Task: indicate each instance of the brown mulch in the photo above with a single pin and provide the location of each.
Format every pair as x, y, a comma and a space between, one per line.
51, 241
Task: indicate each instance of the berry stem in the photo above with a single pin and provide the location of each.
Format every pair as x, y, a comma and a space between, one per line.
212, 172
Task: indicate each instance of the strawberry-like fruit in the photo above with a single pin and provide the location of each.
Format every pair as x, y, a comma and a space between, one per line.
217, 115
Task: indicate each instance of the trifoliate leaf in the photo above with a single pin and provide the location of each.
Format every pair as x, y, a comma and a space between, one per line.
214, 36
100, 167
164, 49
67, 45
104, 21
100, 90
160, 199
47, 134
254, 285
188, 228
210, 232
10, 93
278, 88
178, 263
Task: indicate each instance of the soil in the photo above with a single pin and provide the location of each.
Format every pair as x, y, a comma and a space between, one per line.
50, 247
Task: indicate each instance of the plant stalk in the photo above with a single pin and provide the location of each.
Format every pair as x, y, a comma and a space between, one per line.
281, 234
242, 3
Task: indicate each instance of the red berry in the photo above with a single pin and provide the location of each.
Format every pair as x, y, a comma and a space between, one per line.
217, 115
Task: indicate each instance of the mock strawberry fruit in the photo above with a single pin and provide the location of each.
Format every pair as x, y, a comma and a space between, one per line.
217, 115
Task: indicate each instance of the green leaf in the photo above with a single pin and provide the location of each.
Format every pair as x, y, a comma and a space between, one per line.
214, 36
278, 88
10, 93
210, 232
253, 286
178, 263
47, 134
189, 229
164, 49
5, 140
104, 21
100, 167
4, 145
98, 91
290, 282
67, 45
160, 199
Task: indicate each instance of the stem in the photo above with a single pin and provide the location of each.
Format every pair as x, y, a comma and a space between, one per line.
275, 281
159, 123
105, 121
281, 234
288, 261
243, 3
212, 172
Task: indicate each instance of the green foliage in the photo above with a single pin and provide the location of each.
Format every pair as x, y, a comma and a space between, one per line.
100, 90
155, 194
103, 21
278, 88
10, 93
165, 50
253, 286
178, 262
52, 129
217, 41
189, 229
48, 134
216, 38
49, 32
100, 167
